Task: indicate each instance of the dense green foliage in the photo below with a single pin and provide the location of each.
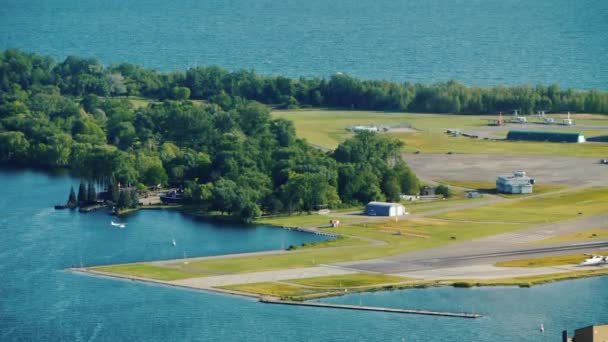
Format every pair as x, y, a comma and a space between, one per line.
79, 77
227, 154
443, 190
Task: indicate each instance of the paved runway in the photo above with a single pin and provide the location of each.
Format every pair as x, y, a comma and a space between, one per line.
573, 171
463, 255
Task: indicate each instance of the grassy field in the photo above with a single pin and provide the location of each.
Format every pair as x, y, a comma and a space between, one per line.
281, 290
306, 288
149, 271
436, 142
558, 260
286, 291
438, 232
326, 128
527, 281
303, 220
542, 209
342, 241
590, 234
490, 187
348, 280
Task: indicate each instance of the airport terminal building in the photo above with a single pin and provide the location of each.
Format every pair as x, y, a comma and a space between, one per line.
518, 183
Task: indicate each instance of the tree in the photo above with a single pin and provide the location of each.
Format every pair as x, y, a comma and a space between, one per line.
91, 192
225, 195
391, 187
13, 147
180, 93
155, 174
113, 190
134, 197
82, 194
443, 190
124, 200
72, 198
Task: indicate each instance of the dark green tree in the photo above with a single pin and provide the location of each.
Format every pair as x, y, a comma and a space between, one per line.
124, 200
443, 190
113, 189
82, 194
91, 192
72, 198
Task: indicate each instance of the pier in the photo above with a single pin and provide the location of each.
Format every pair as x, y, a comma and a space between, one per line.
373, 308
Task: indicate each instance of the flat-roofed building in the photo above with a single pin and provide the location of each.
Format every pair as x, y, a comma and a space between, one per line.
592, 333
568, 137
518, 183
384, 209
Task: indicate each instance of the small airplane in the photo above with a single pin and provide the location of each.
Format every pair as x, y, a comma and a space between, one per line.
595, 260
118, 224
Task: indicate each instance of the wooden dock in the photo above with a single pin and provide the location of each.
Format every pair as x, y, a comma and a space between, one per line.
373, 308
91, 208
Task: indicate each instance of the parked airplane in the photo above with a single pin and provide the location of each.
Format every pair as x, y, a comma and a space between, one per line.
118, 224
595, 260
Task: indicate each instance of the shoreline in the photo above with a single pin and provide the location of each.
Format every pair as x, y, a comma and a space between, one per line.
522, 282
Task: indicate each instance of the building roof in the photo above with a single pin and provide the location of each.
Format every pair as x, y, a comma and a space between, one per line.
383, 204
544, 136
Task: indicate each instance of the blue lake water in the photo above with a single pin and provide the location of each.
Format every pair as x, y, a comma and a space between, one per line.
41, 302
479, 42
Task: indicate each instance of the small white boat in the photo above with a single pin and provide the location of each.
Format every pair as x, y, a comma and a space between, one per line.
173, 242
118, 224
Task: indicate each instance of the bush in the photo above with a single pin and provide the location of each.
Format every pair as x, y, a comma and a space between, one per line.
462, 284
443, 190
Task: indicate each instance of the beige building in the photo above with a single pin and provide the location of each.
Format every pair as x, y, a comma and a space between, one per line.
592, 333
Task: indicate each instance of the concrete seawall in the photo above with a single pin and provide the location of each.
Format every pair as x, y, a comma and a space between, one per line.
373, 308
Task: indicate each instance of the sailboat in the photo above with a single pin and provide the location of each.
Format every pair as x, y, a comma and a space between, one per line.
118, 224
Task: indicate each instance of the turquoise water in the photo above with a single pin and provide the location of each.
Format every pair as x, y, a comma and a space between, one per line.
41, 302
479, 42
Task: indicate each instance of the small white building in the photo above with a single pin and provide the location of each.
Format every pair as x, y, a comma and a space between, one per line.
384, 209
365, 129
518, 183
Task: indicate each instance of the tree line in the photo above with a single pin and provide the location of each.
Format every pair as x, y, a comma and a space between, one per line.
227, 154
82, 76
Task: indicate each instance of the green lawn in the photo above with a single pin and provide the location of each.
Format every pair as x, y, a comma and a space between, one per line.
423, 207
589, 234
342, 241
542, 209
436, 142
303, 220
348, 280
271, 289
527, 281
327, 128
544, 261
149, 271
490, 187
299, 289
